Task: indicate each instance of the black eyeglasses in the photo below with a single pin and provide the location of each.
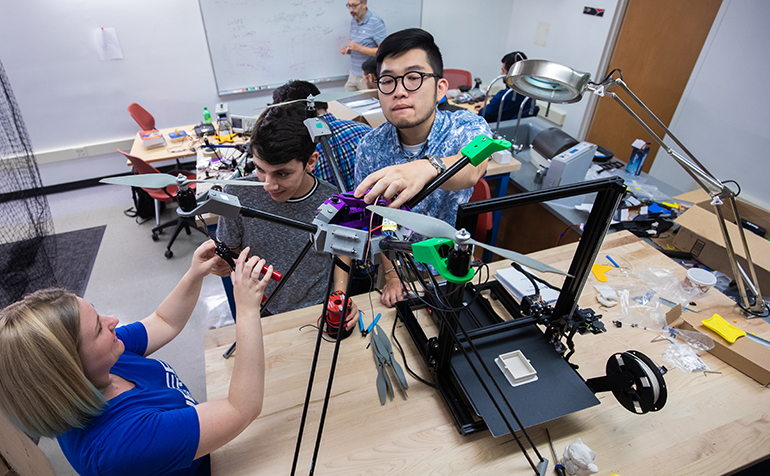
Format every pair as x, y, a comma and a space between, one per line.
411, 80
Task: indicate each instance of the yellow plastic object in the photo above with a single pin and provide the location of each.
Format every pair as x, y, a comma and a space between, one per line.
728, 331
225, 138
600, 271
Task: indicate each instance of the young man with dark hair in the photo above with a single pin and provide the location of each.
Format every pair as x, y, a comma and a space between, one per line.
284, 155
344, 139
369, 69
512, 102
397, 159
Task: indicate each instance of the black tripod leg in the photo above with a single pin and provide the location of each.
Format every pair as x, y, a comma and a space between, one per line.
321, 326
285, 278
334, 365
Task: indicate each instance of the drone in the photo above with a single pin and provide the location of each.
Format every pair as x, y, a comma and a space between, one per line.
471, 334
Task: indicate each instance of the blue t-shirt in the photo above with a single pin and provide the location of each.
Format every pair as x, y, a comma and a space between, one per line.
152, 429
451, 131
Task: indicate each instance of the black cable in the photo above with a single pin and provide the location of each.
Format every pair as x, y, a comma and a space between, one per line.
401, 350
609, 75
533, 277
518, 268
736, 184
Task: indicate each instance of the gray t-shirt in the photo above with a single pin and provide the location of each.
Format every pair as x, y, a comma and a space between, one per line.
280, 245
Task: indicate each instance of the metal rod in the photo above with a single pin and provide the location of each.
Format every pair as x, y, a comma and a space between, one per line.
514, 147
697, 173
319, 338
332, 162
660, 123
710, 184
277, 289
254, 213
438, 181
500, 109
450, 328
288, 273
486, 93
340, 328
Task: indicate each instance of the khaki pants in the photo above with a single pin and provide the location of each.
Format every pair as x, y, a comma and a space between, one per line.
355, 83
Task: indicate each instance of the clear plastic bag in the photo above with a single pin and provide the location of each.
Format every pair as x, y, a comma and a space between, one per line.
668, 286
217, 309
638, 308
696, 340
684, 358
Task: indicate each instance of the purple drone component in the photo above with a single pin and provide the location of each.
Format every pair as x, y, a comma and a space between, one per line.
353, 212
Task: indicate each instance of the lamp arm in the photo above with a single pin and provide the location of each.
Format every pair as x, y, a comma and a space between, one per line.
707, 181
486, 92
500, 109
660, 123
710, 184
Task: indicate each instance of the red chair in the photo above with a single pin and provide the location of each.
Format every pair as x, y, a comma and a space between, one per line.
484, 222
142, 117
167, 194
458, 77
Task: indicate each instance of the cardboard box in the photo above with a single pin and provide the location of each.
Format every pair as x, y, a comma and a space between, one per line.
347, 109
700, 234
745, 355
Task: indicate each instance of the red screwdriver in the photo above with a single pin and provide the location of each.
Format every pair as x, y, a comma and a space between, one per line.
558, 468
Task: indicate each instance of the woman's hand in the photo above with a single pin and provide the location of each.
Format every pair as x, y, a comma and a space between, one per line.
248, 287
205, 260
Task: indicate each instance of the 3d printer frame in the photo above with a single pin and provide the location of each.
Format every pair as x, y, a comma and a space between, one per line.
561, 390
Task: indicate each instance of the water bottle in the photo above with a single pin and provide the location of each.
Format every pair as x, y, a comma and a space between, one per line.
206, 115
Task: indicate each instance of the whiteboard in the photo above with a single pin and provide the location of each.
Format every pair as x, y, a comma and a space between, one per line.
260, 44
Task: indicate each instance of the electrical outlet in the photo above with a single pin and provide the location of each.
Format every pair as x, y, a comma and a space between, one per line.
80, 152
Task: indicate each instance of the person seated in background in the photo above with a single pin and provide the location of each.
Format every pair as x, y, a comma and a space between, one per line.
369, 68
512, 102
69, 372
284, 156
343, 141
399, 158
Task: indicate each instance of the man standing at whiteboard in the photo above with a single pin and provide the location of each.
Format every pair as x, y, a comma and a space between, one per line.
367, 31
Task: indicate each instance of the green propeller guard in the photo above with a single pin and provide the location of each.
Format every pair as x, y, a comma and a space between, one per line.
428, 252
482, 147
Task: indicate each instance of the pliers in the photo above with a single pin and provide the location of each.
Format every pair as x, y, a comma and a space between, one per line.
365, 332
383, 354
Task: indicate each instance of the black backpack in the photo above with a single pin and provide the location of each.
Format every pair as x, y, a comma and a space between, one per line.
144, 205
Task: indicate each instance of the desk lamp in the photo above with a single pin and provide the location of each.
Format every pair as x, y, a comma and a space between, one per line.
553, 82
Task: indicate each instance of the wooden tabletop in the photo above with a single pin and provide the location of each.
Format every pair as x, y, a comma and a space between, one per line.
711, 424
172, 150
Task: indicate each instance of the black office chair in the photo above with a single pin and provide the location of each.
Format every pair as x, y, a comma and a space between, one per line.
167, 194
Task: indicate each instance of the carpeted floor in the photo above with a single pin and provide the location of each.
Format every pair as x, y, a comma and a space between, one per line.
63, 260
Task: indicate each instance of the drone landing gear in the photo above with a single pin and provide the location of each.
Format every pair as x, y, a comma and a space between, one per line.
635, 381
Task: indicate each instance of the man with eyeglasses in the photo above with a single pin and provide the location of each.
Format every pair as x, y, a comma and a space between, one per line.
389, 159
367, 31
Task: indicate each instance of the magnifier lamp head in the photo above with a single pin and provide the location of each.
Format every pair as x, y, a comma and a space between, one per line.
547, 81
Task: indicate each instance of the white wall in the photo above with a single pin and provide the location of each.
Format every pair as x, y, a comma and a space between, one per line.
723, 117
471, 38
574, 39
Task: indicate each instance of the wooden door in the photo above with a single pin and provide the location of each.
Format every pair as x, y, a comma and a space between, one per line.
658, 45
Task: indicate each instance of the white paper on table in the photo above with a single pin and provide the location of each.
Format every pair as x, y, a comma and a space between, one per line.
107, 44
